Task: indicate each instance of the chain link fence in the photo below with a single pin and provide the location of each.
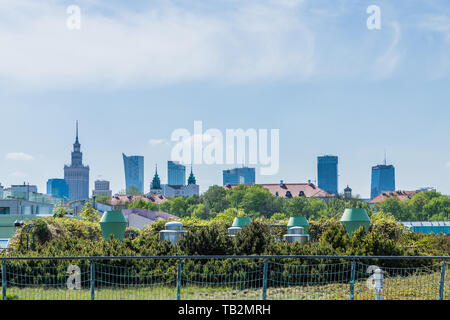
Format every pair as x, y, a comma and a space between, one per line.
226, 278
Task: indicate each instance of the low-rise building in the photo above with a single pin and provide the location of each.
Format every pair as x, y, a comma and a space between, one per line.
400, 195
12, 210
101, 188
290, 190
140, 218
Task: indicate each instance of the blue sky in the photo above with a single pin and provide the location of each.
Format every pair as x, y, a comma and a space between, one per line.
133, 74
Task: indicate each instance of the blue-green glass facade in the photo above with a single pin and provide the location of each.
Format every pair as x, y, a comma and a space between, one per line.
176, 173
383, 179
134, 172
327, 173
58, 188
243, 175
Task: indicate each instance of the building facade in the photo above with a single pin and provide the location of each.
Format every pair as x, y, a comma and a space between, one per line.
242, 175
176, 173
101, 188
134, 172
77, 174
383, 179
327, 173
58, 188
168, 190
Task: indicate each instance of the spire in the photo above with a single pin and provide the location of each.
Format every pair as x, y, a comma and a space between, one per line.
76, 139
191, 179
156, 183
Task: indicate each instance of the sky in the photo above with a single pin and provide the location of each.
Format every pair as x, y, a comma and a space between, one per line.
134, 72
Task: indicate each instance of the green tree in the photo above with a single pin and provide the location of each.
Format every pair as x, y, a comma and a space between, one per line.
89, 213
215, 198
60, 212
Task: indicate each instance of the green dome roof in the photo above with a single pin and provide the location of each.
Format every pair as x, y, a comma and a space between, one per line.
115, 223
355, 214
298, 222
241, 221
354, 218
113, 216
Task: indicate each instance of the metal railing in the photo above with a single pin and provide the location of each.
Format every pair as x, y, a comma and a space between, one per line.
226, 277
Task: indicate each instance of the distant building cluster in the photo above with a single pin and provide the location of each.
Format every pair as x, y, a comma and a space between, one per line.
74, 187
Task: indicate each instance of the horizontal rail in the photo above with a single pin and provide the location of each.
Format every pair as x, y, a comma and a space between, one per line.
231, 257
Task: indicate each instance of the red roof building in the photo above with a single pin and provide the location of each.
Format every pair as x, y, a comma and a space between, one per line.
122, 199
289, 190
401, 195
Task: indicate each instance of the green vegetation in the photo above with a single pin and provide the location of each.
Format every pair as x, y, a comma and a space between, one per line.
257, 202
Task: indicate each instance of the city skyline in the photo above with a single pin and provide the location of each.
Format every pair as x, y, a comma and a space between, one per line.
311, 69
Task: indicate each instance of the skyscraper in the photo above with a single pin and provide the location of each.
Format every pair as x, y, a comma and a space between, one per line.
58, 188
242, 175
134, 172
176, 173
77, 175
383, 179
327, 173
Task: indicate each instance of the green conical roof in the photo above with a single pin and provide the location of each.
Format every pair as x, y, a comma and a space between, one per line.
156, 183
191, 179
241, 221
113, 216
355, 214
298, 222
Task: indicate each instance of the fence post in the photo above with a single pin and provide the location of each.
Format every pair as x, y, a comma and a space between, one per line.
264, 289
92, 280
4, 280
179, 280
352, 280
441, 281
378, 277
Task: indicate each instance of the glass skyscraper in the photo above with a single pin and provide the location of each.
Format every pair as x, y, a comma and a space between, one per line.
176, 173
134, 172
242, 175
58, 188
383, 179
327, 173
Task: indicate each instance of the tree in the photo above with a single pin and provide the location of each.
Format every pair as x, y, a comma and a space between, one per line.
257, 201
89, 213
215, 199
60, 212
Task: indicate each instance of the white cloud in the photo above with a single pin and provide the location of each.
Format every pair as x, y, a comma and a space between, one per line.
447, 164
18, 156
160, 45
155, 142
387, 63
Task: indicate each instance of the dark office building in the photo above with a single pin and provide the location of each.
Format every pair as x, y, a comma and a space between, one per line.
327, 173
383, 179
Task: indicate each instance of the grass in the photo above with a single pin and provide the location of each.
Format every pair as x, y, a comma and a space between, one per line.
413, 287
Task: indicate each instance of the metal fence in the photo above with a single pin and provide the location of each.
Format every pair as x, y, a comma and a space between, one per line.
226, 278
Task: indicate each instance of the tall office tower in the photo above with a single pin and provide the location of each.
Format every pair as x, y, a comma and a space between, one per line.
383, 179
327, 173
58, 188
176, 173
77, 175
134, 172
101, 188
244, 175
